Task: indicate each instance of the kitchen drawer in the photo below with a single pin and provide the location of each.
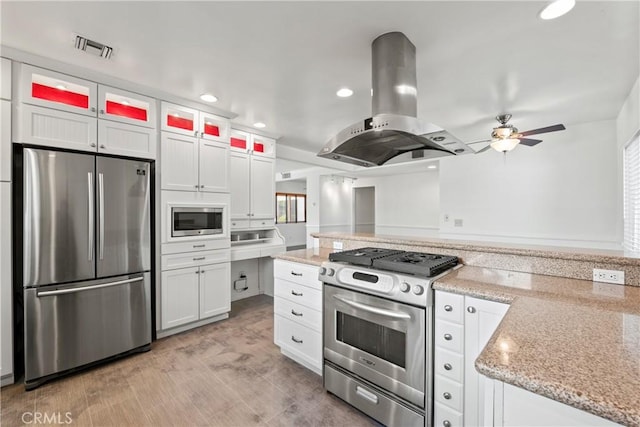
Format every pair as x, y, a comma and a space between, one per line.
448, 393
298, 313
239, 224
298, 340
261, 223
304, 274
174, 261
449, 336
194, 246
449, 307
444, 416
298, 294
449, 364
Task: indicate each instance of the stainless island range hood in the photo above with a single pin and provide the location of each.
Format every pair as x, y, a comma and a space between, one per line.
394, 131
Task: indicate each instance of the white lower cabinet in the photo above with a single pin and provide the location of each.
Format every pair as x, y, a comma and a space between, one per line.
518, 407
298, 313
196, 291
463, 326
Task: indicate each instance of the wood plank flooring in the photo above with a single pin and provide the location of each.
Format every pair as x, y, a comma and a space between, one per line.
225, 374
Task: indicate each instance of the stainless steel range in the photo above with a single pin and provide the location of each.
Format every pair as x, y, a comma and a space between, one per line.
378, 331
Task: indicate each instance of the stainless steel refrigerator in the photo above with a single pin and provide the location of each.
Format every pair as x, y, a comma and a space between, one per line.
86, 260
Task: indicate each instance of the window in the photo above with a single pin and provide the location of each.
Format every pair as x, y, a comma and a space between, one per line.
632, 195
291, 208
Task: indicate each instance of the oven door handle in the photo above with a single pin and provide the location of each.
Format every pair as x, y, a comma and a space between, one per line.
375, 310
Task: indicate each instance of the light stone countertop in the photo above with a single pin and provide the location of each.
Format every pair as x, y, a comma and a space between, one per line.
574, 341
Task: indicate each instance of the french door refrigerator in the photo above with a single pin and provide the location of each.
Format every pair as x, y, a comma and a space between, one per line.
86, 260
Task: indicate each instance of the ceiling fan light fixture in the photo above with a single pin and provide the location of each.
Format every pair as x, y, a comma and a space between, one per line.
556, 9
504, 144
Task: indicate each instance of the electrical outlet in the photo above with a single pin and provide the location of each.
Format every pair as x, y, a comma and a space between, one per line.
337, 246
457, 222
608, 276
446, 217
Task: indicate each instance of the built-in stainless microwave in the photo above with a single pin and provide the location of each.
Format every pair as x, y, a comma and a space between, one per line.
196, 221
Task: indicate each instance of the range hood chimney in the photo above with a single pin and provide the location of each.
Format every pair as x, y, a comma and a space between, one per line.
394, 128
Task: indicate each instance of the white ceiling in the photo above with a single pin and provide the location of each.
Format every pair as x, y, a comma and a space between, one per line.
282, 62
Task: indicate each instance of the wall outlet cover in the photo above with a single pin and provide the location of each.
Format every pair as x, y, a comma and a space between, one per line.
337, 246
608, 276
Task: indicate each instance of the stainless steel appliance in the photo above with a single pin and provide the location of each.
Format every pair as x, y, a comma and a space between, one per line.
86, 259
196, 221
378, 327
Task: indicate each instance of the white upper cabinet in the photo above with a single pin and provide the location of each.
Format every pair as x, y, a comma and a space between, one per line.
5, 77
179, 162
5, 141
263, 146
188, 121
127, 140
126, 107
59, 91
213, 166
240, 141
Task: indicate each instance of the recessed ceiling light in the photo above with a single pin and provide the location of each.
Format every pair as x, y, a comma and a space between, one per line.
556, 9
207, 97
259, 125
344, 92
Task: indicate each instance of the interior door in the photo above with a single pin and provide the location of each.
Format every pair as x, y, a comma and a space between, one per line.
124, 212
58, 230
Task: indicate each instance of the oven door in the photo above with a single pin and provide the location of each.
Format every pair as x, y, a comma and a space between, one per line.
196, 221
379, 340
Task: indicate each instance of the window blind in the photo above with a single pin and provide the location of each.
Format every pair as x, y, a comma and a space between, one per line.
632, 195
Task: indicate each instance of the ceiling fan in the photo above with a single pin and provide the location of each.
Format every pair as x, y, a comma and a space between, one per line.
505, 137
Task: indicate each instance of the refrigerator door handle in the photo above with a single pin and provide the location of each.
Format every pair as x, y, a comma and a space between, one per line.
88, 288
91, 215
101, 208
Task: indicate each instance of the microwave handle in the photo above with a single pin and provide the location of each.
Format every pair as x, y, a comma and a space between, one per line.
375, 310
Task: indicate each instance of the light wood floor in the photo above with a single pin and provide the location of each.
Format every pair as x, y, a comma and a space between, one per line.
225, 374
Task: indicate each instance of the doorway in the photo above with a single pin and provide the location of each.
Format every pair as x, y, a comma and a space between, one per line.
364, 210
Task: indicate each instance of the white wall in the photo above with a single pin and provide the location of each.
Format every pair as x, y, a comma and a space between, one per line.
336, 205
628, 122
406, 204
294, 234
562, 192
364, 209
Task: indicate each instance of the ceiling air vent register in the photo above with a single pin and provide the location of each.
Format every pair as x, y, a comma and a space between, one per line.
93, 47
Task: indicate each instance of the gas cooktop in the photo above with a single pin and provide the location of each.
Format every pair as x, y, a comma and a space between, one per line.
417, 263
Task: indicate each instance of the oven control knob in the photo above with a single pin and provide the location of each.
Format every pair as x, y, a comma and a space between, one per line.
322, 270
418, 290
330, 272
405, 287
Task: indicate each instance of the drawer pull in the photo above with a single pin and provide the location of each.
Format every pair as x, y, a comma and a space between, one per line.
293, 273
448, 308
198, 246
446, 395
295, 313
294, 293
200, 258
448, 337
446, 423
447, 367
296, 340
366, 394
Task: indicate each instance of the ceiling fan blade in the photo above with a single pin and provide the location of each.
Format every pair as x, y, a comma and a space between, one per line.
553, 128
483, 149
530, 142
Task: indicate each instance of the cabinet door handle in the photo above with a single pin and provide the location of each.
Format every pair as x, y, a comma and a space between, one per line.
471, 309
200, 258
93, 109
198, 246
448, 308
101, 111
196, 185
195, 133
446, 395
201, 134
296, 293
197, 272
446, 423
93, 144
295, 340
447, 366
293, 273
103, 146
295, 313
448, 337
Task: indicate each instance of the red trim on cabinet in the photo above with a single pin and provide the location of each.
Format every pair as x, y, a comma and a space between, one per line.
212, 130
258, 147
129, 111
179, 122
239, 143
58, 95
